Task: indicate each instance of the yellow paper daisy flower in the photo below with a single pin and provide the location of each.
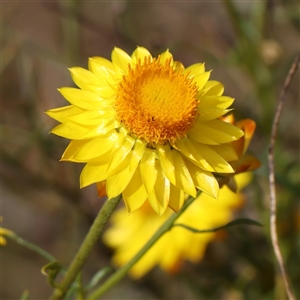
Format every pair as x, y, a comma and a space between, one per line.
147, 127
130, 232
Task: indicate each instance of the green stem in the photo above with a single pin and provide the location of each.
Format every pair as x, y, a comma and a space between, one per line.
86, 247
31, 246
80, 294
116, 277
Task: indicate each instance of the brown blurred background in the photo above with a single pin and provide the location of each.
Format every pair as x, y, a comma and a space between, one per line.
249, 45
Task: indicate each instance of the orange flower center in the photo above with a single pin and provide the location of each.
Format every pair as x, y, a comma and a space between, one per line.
156, 102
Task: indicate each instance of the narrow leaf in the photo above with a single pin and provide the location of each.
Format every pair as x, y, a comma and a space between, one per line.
230, 224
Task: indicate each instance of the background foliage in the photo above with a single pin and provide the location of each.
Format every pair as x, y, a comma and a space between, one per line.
250, 46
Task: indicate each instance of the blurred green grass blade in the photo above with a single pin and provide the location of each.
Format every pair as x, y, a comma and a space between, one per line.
70, 28
24, 295
8, 53
98, 276
243, 27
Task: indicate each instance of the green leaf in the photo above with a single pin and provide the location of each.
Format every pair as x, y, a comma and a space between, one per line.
230, 224
51, 270
98, 276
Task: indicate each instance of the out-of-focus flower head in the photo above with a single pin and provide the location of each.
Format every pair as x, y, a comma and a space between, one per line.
4, 232
245, 162
129, 232
149, 127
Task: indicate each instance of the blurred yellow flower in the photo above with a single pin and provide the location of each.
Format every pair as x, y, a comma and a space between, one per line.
129, 232
147, 127
4, 232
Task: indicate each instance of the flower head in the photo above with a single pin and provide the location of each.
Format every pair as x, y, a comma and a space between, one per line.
128, 233
147, 127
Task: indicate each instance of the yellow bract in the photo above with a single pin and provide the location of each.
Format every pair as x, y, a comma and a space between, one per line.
148, 127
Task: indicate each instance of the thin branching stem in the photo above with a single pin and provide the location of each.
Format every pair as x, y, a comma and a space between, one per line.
273, 205
121, 272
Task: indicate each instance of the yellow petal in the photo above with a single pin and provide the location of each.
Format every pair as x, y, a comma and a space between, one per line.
176, 198
148, 169
75, 131
178, 66
211, 114
130, 161
183, 178
137, 153
70, 130
195, 69
166, 161
93, 173
91, 117
216, 161
121, 154
139, 54
105, 126
218, 131
203, 180
217, 102
61, 114
160, 195
135, 194
165, 56
105, 92
82, 77
213, 88
83, 151
71, 150
202, 136
201, 79
189, 149
103, 68
120, 59
226, 151
87, 80
83, 99
116, 184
